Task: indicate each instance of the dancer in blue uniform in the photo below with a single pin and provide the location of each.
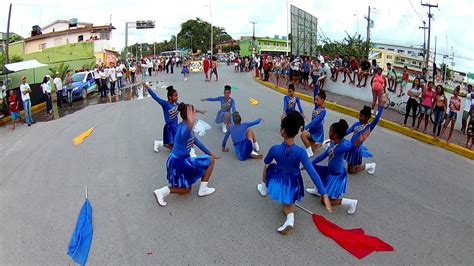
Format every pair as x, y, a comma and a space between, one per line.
334, 175
227, 107
243, 138
282, 180
361, 130
170, 113
182, 170
313, 136
290, 102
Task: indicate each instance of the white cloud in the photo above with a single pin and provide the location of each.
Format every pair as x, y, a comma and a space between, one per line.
395, 21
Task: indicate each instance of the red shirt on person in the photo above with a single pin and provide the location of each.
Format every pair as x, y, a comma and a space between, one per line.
354, 64
206, 64
13, 100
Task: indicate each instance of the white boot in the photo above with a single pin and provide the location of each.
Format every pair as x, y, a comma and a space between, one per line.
192, 153
204, 190
262, 189
256, 155
158, 145
352, 203
288, 225
309, 151
160, 195
370, 168
224, 128
256, 147
313, 191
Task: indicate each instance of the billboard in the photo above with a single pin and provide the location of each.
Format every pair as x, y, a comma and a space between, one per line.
303, 32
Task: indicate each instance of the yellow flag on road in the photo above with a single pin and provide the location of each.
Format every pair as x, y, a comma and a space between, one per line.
253, 101
80, 138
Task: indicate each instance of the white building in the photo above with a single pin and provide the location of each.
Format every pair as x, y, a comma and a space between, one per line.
412, 51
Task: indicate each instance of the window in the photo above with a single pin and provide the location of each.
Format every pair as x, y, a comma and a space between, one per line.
105, 35
389, 57
402, 60
414, 62
400, 51
89, 76
390, 49
268, 44
259, 43
420, 54
42, 46
409, 52
80, 38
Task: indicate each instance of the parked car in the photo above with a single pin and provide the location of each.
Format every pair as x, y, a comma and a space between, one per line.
83, 83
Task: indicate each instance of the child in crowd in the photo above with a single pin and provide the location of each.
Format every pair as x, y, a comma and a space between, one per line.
14, 108
182, 170
454, 108
334, 175
243, 138
290, 101
361, 130
313, 136
405, 80
282, 180
227, 107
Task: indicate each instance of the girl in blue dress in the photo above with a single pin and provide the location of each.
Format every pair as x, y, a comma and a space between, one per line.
282, 180
361, 130
243, 138
170, 113
290, 102
313, 136
227, 108
334, 175
182, 170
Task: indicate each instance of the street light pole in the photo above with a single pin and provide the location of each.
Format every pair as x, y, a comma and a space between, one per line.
287, 31
212, 31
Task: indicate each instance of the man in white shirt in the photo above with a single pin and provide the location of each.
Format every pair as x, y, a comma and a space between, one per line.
119, 71
58, 85
149, 65
103, 82
467, 108
95, 73
3, 89
113, 79
25, 97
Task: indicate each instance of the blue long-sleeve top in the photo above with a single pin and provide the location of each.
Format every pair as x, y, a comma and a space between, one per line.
335, 152
184, 140
288, 159
170, 110
317, 120
226, 105
238, 132
289, 104
358, 128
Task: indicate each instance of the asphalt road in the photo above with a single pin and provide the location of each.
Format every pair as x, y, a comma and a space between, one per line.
420, 199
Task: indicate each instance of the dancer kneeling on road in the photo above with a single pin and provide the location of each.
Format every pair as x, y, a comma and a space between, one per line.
182, 170
244, 139
282, 180
313, 136
361, 130
334, 175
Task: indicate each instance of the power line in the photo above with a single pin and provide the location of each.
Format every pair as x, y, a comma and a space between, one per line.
414, 9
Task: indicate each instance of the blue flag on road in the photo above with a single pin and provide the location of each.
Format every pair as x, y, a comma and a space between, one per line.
81, 239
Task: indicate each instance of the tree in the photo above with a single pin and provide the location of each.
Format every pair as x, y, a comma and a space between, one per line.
61, 68
195, 35
351, 45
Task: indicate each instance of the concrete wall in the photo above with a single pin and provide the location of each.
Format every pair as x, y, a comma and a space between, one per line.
63, 53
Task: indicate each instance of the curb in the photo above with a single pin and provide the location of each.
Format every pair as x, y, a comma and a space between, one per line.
382, 122
34, 109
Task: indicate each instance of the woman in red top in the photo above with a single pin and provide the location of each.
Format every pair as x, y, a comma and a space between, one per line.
206, 65
426, 104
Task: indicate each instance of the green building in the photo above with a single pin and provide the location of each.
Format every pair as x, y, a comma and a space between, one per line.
266, 45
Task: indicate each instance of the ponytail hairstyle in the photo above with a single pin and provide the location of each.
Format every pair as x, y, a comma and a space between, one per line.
367, 111
227, 88
322, 95
183, 110
236, 118
340, 128
171, 91
291, 86
292, 123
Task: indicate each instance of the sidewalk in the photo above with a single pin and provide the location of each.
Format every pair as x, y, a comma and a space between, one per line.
391, 119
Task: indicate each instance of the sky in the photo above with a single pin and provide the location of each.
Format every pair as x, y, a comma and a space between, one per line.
394, 21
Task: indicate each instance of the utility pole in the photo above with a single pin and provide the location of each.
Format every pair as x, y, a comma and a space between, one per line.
434, 59
430, 16
8, 36
424, 28
369, 25
254, 48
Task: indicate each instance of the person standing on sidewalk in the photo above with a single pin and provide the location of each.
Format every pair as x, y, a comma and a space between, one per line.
58, 85
454, 108
25, 97
14, 108
467, 108
379, 85
112, 78
206, 65
3, 90
426, 104
119, 73
440, 105
412, 105
47, 95
69, 87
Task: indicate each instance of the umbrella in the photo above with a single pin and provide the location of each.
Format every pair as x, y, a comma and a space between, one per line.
253, 101
355, 241
81, 238
80, 138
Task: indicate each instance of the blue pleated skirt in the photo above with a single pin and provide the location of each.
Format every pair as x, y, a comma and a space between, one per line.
184, 172
318, 137
243, 149
335, 184
220, 116
354, 157
185, 70
169, 131
285, 188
